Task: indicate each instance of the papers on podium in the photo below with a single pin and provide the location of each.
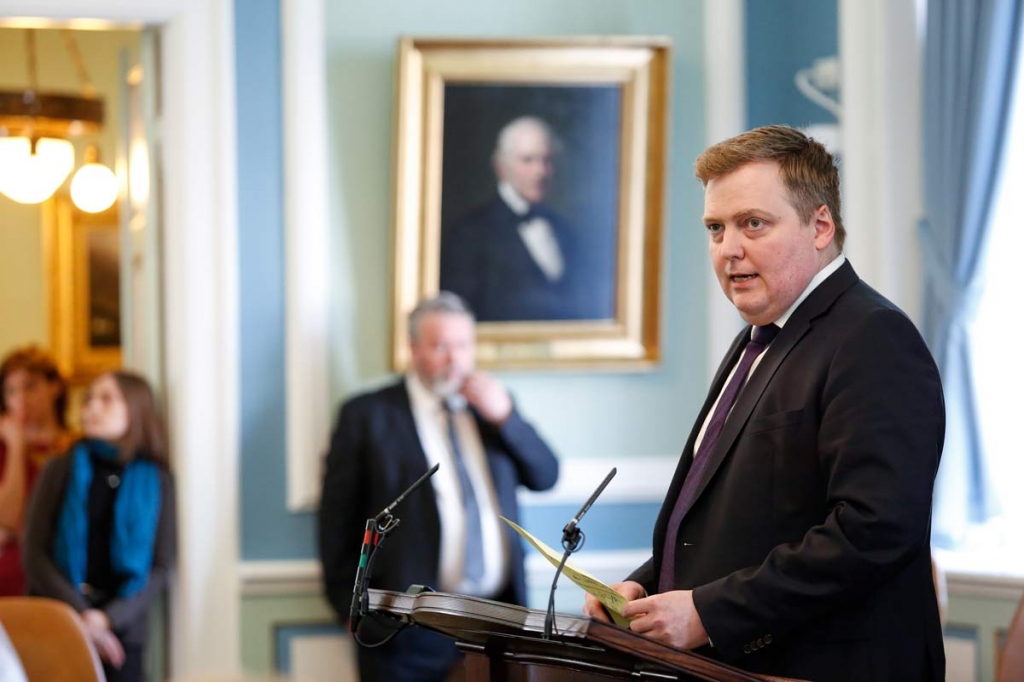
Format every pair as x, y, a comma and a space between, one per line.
612, 600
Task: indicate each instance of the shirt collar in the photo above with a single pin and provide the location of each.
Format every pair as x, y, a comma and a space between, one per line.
518, 204
820, 277
420, 397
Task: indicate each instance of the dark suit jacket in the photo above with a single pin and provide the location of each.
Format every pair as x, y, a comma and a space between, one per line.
484, 260
376, 454
807, 548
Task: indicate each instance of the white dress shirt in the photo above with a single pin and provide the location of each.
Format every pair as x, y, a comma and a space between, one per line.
537, 234
432, 427
820, 277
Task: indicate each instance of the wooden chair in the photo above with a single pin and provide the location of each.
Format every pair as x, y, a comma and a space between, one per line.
51, 640
1011, 661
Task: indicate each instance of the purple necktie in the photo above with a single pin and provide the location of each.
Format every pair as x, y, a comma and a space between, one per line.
761, 338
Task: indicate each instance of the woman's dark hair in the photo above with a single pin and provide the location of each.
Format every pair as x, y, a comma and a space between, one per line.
146, 436
35, 360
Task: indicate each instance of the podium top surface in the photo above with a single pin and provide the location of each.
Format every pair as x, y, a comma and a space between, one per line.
482, 622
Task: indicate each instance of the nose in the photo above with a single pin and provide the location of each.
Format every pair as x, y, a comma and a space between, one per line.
731, 245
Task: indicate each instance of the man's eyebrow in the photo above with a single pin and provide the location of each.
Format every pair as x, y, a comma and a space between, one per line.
740, 216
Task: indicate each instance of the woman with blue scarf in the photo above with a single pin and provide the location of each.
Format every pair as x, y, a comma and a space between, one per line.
100, 533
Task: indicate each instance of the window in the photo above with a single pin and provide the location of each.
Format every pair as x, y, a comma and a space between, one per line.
997, 356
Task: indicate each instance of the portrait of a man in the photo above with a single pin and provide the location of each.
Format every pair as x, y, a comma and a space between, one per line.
532, 239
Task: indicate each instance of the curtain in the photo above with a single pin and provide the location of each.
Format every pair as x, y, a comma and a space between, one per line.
970, 59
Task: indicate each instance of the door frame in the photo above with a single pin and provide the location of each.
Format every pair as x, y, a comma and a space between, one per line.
201, 321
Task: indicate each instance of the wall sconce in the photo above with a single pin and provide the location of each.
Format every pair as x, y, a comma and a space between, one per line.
36, 129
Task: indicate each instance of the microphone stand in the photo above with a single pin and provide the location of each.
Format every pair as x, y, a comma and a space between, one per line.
377, 530
572, 540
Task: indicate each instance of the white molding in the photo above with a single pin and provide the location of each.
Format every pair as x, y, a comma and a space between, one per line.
879, 53
725, 113
638, 480
201, 307
201, 323
307, 252
980, 572
304, 576
263, 578
965, 584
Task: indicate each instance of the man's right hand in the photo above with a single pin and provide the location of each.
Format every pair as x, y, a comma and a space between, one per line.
630, 590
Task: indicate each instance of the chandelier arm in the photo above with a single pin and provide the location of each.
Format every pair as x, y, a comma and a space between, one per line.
30, 54
88, 89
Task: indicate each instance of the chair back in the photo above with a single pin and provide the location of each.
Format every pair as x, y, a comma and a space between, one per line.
51, 640
1011, 660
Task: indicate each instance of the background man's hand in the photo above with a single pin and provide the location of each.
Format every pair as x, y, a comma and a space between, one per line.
669, 617
630, 590
488, 396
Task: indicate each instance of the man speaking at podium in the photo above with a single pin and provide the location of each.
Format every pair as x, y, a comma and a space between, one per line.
794, 539
442, 412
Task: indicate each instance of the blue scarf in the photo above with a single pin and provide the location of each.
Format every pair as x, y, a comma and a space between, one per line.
136, 512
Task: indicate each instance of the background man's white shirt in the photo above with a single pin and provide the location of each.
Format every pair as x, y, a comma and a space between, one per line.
432, 428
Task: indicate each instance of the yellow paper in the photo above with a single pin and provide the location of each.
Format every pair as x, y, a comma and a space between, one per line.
612, 600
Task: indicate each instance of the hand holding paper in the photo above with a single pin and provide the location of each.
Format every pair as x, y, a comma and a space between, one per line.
612, 600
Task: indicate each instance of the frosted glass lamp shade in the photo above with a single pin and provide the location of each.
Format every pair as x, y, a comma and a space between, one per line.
94, 188
30, 178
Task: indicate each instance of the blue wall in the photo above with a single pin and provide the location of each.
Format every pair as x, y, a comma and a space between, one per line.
613, 416
782, 37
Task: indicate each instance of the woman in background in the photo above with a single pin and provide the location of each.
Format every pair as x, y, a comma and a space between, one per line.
100, 533
33, 397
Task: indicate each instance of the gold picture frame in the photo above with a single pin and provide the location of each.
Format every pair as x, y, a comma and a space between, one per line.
82, 251
604, 102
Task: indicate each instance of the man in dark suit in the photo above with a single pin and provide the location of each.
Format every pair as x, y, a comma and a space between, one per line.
451, 539
794, 539
515, 258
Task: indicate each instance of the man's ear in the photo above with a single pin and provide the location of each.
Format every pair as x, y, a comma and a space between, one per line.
824, 228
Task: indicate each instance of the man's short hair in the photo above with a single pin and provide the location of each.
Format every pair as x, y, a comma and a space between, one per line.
444, 302
508, 133
808, 170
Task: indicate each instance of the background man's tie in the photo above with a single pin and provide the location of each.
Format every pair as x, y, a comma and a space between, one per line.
473, 569
761, 338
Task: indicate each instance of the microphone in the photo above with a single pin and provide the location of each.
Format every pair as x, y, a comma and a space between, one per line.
570, 532
357, 589
419, 481
373, 537
572, 540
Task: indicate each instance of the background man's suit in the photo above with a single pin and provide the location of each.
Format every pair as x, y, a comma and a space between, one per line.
807, 547
484, 260
376, 454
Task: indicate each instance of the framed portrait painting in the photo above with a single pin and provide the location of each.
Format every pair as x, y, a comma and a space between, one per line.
529, 180
83, 258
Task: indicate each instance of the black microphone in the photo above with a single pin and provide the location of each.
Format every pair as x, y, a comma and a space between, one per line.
373, 537
570, 530
357, 589
419, 481
571, 541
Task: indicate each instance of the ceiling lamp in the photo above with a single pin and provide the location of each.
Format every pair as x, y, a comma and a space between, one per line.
36, 154
94, 187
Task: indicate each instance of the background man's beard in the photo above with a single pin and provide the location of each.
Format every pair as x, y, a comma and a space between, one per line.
446, 387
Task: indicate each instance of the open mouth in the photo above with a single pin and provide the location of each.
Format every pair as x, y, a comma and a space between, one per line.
741, 278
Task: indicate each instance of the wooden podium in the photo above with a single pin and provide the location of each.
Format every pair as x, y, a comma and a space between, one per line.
505, 643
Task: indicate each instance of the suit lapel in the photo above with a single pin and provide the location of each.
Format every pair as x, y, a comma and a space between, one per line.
686, 459
406, 433
817, 304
